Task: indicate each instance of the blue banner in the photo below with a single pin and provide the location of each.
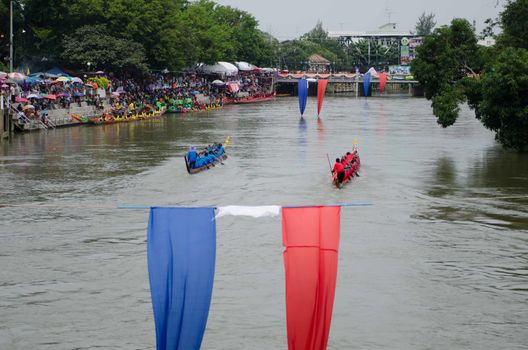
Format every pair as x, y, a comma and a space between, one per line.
303, 94
366, 83
181, 251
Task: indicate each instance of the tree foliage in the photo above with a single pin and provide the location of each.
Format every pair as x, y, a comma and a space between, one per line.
504, 106
492, 81
425, 24
103, 51
514, 23
445, 57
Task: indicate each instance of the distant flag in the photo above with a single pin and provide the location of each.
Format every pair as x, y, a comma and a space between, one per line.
321, 89
181, 251
311, 240
303, 94
226, 142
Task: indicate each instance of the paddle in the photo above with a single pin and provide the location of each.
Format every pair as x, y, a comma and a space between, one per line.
355, 149
329, 163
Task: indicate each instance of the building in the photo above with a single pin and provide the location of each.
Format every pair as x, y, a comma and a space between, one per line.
385, 46
318, 64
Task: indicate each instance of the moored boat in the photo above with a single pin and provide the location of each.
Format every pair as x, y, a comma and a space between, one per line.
108, 118
253, 99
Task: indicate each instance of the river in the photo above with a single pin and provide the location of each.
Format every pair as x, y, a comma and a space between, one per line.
439, 261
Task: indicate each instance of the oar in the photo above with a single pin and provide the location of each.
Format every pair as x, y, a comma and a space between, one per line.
329, 164
355, 148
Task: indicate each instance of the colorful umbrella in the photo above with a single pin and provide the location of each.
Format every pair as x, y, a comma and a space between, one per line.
21, 99
77, 80
3, 75
51, 97
63, 79
17, 76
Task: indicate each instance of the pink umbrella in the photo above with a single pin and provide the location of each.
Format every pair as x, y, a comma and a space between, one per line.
21, 99
51, 97
17, 76
5, 85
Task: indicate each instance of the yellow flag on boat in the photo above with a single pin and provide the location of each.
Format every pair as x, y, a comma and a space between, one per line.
227, 142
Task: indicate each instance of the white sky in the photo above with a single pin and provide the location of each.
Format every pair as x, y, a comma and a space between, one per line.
288, 19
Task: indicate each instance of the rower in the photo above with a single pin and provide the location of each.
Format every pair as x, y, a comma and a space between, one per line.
191, 157
339, 169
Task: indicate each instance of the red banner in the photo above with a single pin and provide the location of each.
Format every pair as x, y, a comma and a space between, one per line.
311, 240
321, 89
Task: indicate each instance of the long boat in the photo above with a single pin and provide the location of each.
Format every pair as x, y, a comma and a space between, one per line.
351, 169
204, 167
253, 99
110, 119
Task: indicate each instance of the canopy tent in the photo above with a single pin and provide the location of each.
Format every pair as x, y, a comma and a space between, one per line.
57, 71
246, 67
268, 70
218, 68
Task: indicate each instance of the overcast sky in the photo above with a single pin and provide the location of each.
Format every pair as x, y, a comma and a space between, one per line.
288, 19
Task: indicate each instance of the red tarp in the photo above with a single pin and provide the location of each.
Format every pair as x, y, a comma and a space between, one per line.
311, 238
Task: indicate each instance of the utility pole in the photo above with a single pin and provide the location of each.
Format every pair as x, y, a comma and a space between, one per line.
11, 37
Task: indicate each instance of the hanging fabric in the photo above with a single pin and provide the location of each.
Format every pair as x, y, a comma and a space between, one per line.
303, 94
181, 250
383, 81
321, 90
311, 240
366, 83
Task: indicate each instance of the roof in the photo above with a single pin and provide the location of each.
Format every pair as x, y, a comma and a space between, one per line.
315, 58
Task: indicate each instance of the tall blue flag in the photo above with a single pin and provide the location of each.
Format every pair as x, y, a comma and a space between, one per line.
181, 251
303, 94
366, 83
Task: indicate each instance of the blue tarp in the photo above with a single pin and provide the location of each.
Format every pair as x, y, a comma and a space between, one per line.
181, 250
303, 94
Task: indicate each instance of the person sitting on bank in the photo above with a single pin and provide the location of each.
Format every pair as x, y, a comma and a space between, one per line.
191, 157
339, 169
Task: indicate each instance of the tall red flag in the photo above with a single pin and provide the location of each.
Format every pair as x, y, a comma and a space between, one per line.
311, 238
321, 89
383, 81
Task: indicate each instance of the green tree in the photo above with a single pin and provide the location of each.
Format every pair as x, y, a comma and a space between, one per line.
514, 23
504, 106
444, 58
493, 81
425, 24
93, 44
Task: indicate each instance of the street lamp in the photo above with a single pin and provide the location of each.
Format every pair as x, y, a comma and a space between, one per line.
11, 36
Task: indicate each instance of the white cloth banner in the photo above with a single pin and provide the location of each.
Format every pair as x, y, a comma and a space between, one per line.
256, 212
